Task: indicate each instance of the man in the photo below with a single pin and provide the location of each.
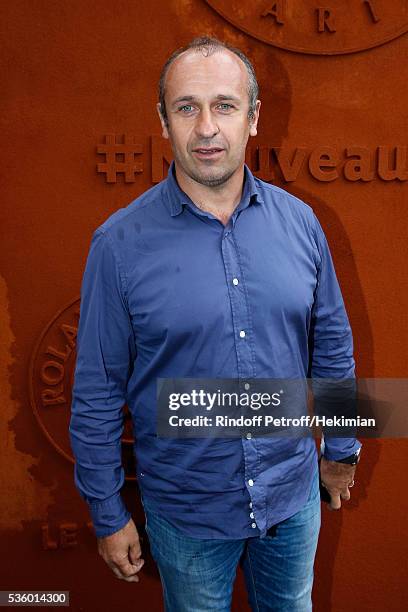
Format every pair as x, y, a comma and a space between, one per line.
212, 273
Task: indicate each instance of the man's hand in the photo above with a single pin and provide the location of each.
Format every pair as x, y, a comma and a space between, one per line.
122, 552
336, 478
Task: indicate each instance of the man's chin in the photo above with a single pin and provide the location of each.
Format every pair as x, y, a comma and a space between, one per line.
212, 177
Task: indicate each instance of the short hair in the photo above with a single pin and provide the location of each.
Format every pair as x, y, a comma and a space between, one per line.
208, 46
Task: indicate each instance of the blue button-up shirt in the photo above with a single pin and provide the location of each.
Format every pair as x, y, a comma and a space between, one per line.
167, 292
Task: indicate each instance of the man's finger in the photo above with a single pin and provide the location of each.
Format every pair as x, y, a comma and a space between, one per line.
129, 569
335, 503
119, 575
135, 552
345, 494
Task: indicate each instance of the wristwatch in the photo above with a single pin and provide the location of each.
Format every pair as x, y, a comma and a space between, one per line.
351, 459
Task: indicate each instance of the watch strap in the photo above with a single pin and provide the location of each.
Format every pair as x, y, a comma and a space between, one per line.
351, 459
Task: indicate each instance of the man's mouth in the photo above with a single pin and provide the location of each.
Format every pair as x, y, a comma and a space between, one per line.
207, 151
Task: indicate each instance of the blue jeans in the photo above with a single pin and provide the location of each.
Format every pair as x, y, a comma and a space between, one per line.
198, 575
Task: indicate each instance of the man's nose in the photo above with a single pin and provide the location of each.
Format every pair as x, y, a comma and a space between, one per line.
206, 125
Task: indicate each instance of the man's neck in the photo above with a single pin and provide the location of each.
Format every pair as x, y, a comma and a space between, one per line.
220, 200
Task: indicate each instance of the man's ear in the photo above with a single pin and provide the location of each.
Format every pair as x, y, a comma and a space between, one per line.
254, 121
165, 132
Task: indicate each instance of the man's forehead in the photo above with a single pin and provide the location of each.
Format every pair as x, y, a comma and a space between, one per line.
194, 68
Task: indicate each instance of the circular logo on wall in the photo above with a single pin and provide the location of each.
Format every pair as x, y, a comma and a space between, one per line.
51, 376
331, 27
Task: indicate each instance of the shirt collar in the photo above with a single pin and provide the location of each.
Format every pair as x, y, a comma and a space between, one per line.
178, 199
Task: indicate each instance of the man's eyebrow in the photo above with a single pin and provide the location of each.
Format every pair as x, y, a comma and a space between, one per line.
228, 97
193, 98
183, 99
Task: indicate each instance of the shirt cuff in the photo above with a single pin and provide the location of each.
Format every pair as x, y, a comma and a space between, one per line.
109, 516
334, 449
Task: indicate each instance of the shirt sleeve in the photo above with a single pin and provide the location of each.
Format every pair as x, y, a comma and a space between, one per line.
331, 340
105, 356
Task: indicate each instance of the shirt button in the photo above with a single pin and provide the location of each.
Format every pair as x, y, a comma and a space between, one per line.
251, 482
247, 386
250, 504
249, 436
235, 281
242, 333
253, 525
251, 515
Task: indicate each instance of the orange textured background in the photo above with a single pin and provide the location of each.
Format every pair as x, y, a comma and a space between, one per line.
73, 72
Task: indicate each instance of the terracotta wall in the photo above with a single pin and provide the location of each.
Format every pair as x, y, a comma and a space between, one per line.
78, 77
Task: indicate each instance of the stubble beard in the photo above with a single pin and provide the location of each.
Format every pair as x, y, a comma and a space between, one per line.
209, 180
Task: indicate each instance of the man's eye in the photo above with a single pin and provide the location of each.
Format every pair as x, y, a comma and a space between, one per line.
186, 108
225, 106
